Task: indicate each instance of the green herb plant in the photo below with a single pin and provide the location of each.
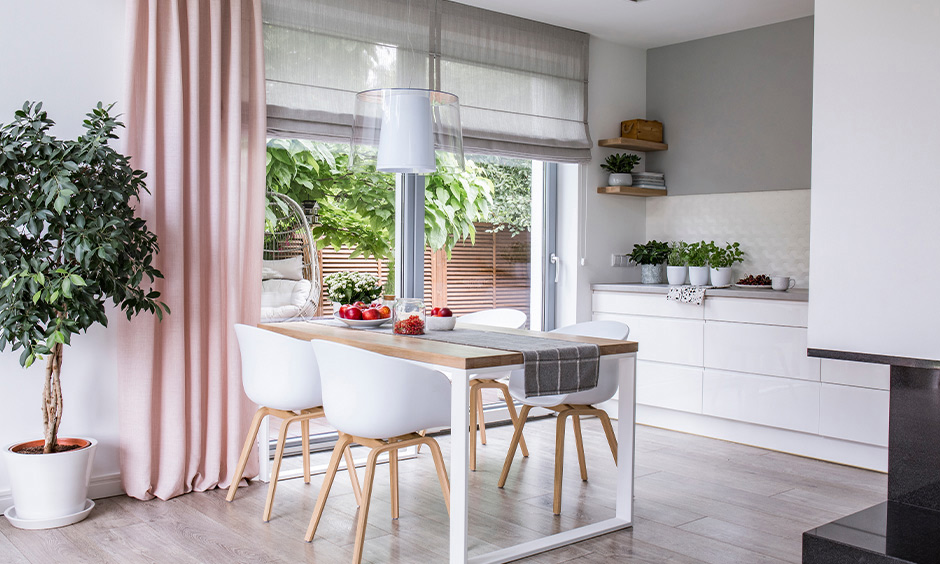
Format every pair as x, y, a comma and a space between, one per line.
69, 242
620, 163
654, 252
697, 253
723, 257
678, 254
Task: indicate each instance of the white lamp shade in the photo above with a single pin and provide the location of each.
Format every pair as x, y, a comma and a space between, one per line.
406, 140
406, 130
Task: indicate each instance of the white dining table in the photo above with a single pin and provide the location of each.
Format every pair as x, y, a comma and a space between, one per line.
459, 362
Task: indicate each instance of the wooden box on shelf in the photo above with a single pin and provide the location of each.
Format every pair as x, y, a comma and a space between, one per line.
644, 130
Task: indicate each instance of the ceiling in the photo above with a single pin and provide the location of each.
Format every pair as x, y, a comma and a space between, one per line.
652, 23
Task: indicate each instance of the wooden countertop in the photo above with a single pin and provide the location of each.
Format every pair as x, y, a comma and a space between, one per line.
434, 352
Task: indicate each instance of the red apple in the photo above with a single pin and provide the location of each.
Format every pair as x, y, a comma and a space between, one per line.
445, 312
342, 310
385, 312
371, 314
435, 311
360, 305
353, 313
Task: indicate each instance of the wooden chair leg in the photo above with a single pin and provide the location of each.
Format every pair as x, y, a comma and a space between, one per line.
576, 421
609, 430
305, 441
393, 479
342, 444
246, 451
481, 419
473, 427
441, 471
364, 508
511, 407
353, 477
422, 432
516, 436
559, 460
276, 467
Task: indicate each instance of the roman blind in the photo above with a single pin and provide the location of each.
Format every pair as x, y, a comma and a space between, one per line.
522, 84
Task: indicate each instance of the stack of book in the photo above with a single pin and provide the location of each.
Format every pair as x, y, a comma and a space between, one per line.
655, 180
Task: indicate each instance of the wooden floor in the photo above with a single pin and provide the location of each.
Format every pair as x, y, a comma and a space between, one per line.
697, 500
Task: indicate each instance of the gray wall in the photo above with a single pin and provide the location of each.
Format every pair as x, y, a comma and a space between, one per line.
736, 110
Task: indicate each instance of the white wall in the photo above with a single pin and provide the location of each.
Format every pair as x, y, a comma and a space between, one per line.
591, 225
876, 178
69, 55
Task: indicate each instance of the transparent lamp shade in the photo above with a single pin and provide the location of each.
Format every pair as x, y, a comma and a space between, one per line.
406, 130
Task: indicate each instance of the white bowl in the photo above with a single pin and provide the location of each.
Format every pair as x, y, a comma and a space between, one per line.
441, 323
362, 323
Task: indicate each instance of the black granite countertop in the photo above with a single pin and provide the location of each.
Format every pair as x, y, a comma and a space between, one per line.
794, 295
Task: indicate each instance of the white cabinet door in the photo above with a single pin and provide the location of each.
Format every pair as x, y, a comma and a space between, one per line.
759, 349
855, 414
678, 341
767, 312
644, 304
671, 386
860, 374
766, 400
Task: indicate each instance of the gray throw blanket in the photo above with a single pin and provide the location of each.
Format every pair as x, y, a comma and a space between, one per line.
552, 366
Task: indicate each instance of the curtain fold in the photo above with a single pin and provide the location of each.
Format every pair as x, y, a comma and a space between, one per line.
196, 124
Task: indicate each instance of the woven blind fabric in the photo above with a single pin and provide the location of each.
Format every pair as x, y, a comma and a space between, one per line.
522, 84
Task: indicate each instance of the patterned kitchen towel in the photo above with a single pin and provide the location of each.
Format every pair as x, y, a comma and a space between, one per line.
687, 294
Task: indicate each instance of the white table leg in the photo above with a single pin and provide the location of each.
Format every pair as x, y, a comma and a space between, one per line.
459, 457
626, 436
264, 458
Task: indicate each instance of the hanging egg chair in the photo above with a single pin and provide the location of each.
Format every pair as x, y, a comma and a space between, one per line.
290, 276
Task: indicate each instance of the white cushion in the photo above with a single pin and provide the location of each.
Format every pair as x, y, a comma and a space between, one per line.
281, 299
289, 269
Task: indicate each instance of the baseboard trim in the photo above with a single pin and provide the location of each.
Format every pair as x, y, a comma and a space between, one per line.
106, 485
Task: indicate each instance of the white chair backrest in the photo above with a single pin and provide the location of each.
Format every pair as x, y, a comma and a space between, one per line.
375, 396
278, 371
499, 317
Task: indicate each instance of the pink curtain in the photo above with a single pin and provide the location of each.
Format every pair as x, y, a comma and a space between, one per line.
196, 123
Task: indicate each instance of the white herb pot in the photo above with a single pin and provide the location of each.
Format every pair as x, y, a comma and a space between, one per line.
49, 490
698, 275
721, 276
651, 273
620, 179
676, 275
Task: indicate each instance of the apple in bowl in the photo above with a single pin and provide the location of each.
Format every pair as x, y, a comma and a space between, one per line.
441, 319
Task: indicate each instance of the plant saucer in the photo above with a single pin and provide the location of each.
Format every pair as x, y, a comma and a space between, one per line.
35, 524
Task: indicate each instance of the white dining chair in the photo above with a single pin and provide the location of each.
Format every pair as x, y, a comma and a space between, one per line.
281, 375
379, 402
499, 317
574, 405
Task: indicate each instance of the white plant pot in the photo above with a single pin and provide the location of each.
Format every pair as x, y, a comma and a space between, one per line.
651, 273
698, 275
676, 275
721, 276
620, 179
49, 490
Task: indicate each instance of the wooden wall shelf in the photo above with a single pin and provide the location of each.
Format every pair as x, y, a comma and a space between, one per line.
632, 144
631, 191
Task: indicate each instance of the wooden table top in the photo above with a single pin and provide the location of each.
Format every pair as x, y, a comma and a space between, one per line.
434, 352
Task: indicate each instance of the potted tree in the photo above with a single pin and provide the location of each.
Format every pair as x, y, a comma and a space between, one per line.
697, 257
677, 263
620, 166
650, 257
720, 259
69, 243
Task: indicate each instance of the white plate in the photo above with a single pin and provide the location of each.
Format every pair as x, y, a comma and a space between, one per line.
362, 323
10, 514
762, 286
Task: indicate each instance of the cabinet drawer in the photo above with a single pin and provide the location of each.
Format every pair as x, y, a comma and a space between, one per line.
671, 386
859, 374
767, 312
759, 349
855, 414
644, 304
765, 400
676, 341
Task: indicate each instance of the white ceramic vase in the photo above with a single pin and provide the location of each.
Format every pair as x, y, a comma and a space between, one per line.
620, 179
49, 490
698, 275
721, 276
676, 275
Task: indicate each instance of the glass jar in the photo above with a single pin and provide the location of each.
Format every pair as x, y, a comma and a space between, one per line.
409, 317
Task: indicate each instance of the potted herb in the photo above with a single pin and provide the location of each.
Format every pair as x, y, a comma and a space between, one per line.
69, 242
650, 257
697, 257
720, 259
677, 263
620, 166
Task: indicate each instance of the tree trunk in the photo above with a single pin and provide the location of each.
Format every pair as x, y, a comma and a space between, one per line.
52, 398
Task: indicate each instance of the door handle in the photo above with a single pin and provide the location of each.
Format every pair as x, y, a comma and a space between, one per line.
553, 258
